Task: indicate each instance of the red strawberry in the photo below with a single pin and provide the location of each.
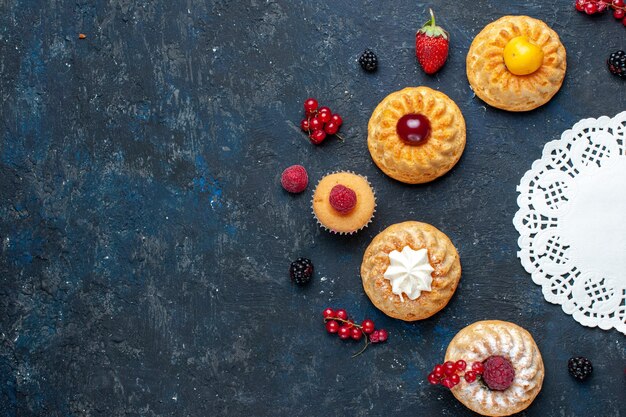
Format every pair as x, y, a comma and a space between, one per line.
431, 46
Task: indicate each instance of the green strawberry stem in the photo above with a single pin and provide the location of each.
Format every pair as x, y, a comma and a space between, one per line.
431, 22
431, 29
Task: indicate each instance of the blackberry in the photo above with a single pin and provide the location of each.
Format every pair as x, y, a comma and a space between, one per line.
368, 60
617, 63
579, 367
301, 271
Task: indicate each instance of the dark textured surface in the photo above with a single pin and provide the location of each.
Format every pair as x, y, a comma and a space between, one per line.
145, 239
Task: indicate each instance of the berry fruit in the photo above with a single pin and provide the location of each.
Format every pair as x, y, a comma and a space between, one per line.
449, 368
344, 332
591, 8
331, 128
368, 326
368, 60
317, 136
310, 105
478, 367
342, 198
382, 335
301, 271
315, 124
447, 382
433, 379
328, 313
332, 326
617, 63
438, 371
336, 119
470, 376
498, 373
522, 57
356, 333
305, 125
460, 365
431, 46
413, 129
294, 179
341, 314
579, 367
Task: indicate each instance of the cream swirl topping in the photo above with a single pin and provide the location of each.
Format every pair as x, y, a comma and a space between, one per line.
409, 272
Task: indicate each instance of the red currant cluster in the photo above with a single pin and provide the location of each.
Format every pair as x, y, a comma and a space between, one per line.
337, 322
319, 122
448, 373
599, 6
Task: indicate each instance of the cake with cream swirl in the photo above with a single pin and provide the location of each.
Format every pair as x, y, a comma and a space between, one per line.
410, 270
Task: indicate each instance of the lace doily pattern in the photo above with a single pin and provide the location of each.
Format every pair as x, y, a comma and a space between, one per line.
571, 222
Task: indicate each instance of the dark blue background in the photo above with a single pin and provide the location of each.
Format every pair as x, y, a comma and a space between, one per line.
145, 239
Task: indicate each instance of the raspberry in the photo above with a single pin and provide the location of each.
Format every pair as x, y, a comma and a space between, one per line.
342, 198
294, 179
498, 373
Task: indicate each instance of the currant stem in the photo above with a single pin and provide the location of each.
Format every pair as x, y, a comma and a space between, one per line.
343, 321
364, 347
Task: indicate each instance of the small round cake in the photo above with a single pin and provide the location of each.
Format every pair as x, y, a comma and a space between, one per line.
343, 202
513, 368
416, 135
410, 270
516, 63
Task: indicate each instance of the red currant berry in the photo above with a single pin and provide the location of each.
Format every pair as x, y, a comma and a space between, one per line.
374, 337
455, 379
580, 5
310, 105
470, 376
331, 128
324, 114
433, 379
460, 365
304, 125
368, 326
619, 14
317, 136
344, 332
337, 119
332, 326
329, 313
449, 368
356, 334
591, 8
618, 3
438, 371
315, 123
624, 21
447, 383
341, 314
478, 367
382, 335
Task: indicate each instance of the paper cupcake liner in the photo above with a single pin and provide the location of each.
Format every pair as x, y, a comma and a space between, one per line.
336, 231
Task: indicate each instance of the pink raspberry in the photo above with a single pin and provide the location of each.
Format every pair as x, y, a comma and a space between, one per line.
294, 179
342, 198
498, 373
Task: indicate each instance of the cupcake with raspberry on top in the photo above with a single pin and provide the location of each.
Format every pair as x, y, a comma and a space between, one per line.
343, 202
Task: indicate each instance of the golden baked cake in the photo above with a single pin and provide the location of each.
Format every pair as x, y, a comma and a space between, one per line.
513, 369
410, 270
343, 202
416, 135
528, 43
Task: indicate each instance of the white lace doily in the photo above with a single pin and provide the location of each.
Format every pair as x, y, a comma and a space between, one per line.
572, 222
